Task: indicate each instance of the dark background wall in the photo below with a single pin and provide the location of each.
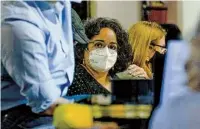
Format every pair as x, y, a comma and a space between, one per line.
83, 9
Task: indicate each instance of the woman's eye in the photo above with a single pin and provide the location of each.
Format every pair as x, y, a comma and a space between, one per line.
99, 45
113, 47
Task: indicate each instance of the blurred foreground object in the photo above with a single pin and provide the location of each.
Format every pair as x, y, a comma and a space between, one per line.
193, 64
78, 116
73, 116
129, 107
126, 111
174, 72
180, 100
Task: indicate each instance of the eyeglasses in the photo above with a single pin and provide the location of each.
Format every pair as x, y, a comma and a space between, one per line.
162, 49
102, 44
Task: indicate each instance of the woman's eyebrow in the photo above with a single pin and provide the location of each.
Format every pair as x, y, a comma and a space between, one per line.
113, 43
104, 41
99, 40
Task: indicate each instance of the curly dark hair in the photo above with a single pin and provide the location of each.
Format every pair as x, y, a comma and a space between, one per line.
124, 51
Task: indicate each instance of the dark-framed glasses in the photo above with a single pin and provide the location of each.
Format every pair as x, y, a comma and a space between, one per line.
161, 50
102, 44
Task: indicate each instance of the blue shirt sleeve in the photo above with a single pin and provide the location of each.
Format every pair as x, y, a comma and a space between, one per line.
26, 61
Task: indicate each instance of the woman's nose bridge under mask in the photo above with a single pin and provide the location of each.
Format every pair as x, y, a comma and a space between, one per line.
108, 51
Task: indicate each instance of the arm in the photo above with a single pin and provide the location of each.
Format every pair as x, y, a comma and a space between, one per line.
25, 59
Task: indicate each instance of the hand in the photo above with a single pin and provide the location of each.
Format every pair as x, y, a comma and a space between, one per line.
136, 71
51, 109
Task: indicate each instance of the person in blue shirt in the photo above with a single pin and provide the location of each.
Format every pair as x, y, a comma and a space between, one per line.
37, 61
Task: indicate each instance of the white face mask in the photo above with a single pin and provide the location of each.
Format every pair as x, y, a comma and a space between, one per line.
102, 59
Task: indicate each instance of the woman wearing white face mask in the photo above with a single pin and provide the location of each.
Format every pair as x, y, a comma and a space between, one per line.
107, 53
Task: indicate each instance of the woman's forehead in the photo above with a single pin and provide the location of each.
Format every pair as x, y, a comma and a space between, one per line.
107, 35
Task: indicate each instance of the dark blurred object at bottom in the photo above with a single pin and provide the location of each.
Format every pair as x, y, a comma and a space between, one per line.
130, 104
131, 107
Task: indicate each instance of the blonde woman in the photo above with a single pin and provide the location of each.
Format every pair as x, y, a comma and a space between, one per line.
146, 38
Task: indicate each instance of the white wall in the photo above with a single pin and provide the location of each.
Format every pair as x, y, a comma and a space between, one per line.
127, 12
188, 16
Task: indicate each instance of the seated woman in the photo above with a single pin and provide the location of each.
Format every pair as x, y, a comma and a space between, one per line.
145, 38
97, 62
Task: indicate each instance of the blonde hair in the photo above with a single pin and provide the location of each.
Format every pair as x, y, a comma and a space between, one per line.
141, 35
